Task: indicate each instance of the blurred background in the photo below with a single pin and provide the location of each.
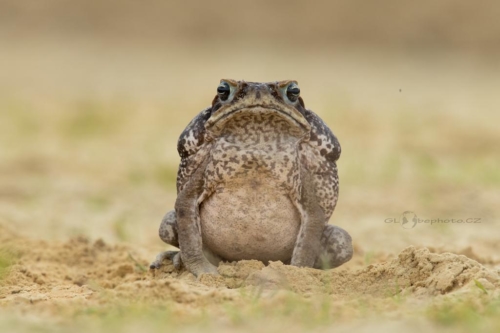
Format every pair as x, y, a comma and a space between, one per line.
94, 94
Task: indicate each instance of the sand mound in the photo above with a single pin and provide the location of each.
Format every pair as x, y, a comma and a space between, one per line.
39, 272
414, 271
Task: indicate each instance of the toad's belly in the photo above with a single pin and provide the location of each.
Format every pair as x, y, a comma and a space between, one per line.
250, 221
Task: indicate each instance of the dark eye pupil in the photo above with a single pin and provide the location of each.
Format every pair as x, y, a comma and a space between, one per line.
293, 93
223, 91
223, 88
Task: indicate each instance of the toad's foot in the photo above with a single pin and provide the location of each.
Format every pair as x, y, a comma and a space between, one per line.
174, 256
336, 248
199, 266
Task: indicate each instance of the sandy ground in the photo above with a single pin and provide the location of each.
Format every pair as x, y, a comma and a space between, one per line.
65, 279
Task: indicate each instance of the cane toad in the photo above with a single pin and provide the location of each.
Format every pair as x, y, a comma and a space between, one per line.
257, 180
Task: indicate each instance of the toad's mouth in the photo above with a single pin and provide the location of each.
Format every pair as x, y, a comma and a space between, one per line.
219, 118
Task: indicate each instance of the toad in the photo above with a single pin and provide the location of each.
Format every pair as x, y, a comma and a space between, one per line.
257, 180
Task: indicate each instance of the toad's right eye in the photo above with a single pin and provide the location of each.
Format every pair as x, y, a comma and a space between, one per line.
292, 92
223, 91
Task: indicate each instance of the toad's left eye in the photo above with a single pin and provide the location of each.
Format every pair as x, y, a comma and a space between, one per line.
293, 92
223, 91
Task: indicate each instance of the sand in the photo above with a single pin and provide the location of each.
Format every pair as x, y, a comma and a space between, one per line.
47, 275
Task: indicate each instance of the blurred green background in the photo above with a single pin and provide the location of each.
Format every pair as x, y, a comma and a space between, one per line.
93, 95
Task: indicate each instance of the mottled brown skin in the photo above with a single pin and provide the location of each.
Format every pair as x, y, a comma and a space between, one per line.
257, 180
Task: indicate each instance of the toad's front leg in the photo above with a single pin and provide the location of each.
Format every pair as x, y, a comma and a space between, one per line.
189, 229
308, 245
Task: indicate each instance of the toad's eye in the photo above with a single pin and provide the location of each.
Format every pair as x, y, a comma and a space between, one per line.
293, 92
223, 91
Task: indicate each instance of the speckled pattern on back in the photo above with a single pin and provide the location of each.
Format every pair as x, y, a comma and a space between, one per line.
269, 179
